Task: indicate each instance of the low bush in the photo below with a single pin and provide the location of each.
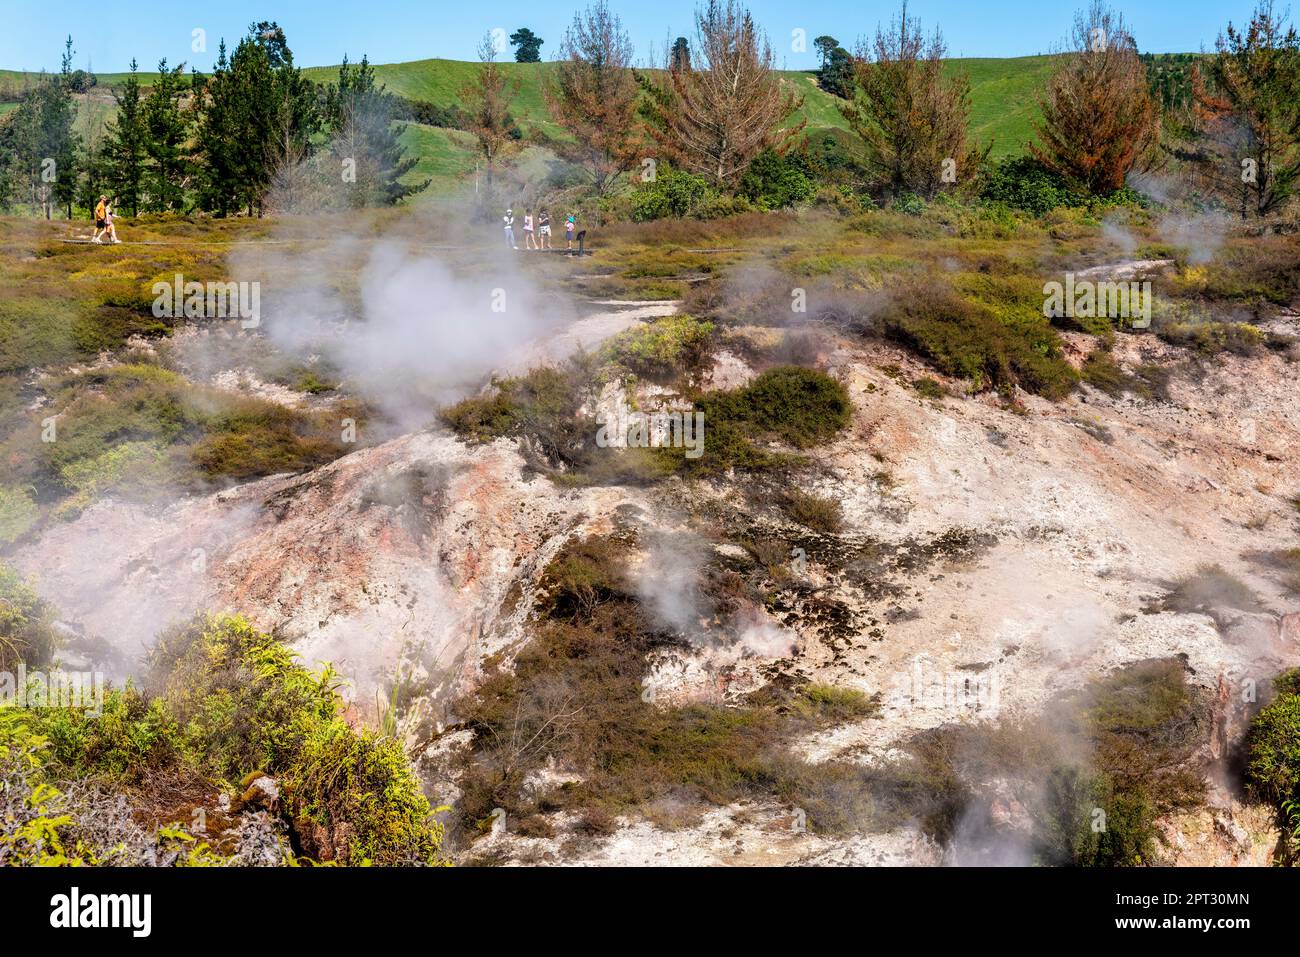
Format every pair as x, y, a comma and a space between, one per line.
230, 702
1024, 183
26, 624
576, 695
662, 351
774, 181
967, 339
799, 407
1210, 590
1273, 744
672, 193
818, 512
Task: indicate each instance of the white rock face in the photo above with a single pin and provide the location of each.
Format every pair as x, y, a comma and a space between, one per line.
417, 557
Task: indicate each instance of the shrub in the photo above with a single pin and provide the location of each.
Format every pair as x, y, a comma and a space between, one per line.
1125, 746
929, 388
134, 427
774, 181
834, 704
18, 513
661, 350
1273, 744
672, 193
250, 437
1213, 338
800, 407
26, 624
968, 340
130, 466
575, 694
226, 704
243, 704
1024, 183
818, 512
1210, 589
541, 408
909, 204
723, 206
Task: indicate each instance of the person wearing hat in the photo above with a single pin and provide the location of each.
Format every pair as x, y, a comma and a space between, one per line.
509, 220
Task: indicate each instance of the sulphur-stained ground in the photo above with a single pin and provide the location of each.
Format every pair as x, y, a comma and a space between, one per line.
1028, 548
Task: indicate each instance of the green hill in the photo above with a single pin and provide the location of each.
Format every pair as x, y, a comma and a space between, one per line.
1004, 104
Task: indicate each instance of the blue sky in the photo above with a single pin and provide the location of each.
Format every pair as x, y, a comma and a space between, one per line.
108, 33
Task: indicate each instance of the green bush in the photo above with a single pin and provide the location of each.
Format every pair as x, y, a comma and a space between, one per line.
818, 512
541, 408
800, 407
774, 181
672, 193
909, 204
1213, 338
1273, 744
834, 704
1024, 183
18, 513
660, 350
226, 703
26, 624
970, 340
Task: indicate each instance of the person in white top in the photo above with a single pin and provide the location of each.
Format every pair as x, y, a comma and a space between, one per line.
529, 241
509, 220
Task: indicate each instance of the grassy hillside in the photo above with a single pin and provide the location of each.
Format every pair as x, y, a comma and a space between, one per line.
1004, 103
1004, 99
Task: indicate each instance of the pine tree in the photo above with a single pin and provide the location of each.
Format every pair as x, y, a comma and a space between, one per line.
64, 143
41, 143
361, 115
913, 119
719, 113
487, 100
1099, 120
166, 129
593, 94
529, 45
253, 120
258, 115
1251, 106
92, 169
214, 97
125, 146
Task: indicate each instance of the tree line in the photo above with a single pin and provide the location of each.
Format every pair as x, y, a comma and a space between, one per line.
717, 117
1227, 123
254, 133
